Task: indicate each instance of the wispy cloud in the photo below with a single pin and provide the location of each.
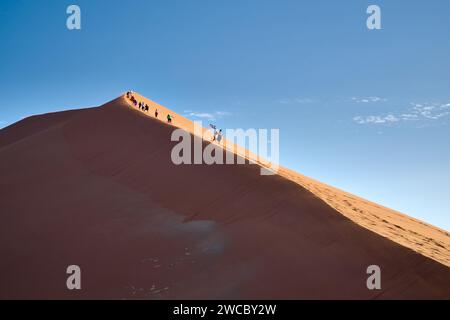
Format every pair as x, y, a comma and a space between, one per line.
390, 118
296, 101
428, 111
371, 99
223, 113
417, 112
206, 115
203, 115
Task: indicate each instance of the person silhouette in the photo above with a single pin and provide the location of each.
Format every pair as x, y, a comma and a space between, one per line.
219, 136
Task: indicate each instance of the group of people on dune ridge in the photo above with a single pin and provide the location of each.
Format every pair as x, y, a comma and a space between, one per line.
144, 106
217, 134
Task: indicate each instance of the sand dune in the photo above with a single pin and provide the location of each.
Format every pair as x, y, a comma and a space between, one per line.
97, 188
409, 232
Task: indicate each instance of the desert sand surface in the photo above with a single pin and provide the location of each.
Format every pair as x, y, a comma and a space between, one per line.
419, 236
97, 188
407, 231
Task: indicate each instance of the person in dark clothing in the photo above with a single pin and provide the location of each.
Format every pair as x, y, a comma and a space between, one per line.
219, 136
156, 113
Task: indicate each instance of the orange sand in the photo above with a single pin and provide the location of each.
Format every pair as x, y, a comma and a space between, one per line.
97, 188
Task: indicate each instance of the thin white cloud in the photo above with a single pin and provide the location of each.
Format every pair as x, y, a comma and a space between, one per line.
409, 117
371, 99
418, 112
296, 101
206, 115
223, 113
431, 111
202, 115
390, 118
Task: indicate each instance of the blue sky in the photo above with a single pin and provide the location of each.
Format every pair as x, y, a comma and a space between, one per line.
365, 111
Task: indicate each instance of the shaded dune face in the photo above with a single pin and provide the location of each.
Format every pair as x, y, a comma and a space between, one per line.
97, 188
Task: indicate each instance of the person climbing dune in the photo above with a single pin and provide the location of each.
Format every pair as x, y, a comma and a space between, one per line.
219, 136
214, 132
156, 113
169, 118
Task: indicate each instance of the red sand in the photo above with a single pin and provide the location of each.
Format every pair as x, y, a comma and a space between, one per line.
97, 188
